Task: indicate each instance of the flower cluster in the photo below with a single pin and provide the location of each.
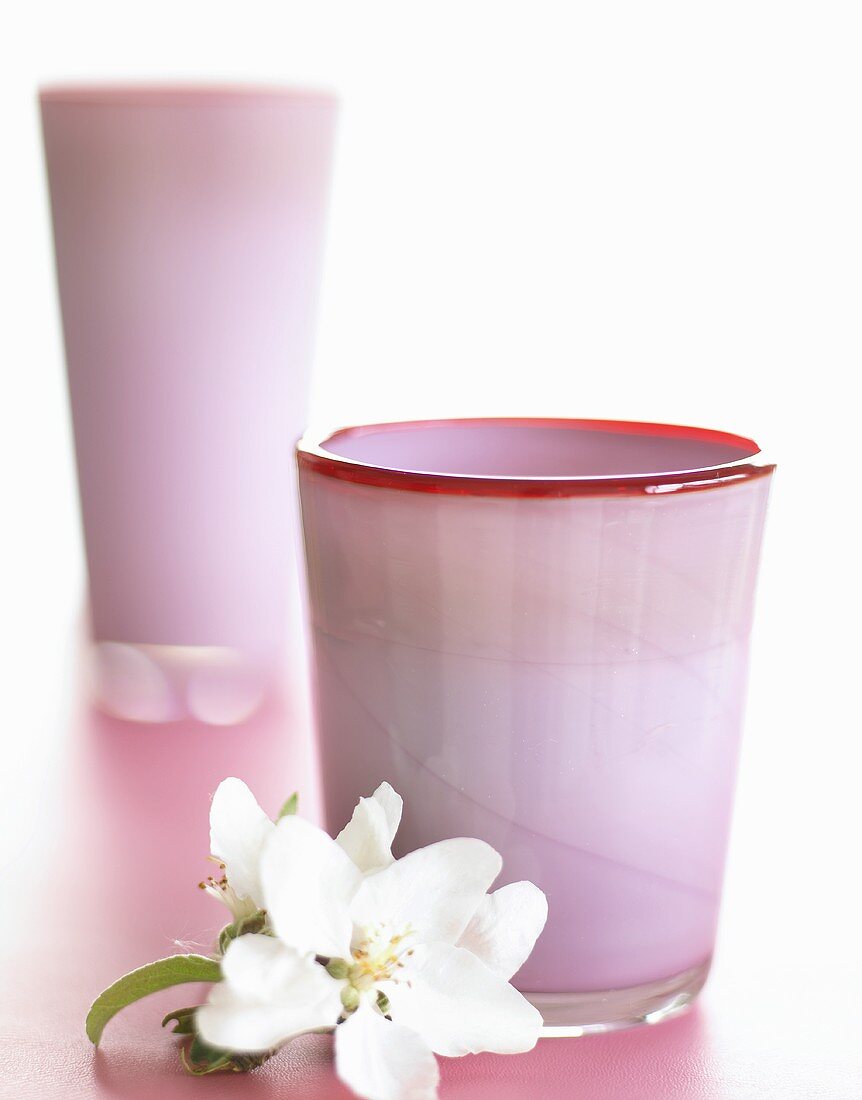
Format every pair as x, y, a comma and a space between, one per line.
403, 958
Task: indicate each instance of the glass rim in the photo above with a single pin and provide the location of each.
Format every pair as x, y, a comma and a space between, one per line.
312, 455
179, 94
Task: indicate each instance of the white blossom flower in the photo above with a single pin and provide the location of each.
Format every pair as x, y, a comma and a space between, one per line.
507, 923
418, 954
238, 831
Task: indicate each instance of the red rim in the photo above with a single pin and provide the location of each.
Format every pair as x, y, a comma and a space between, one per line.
312, 455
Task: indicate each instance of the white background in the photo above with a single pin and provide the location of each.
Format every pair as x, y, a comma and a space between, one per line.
645, 210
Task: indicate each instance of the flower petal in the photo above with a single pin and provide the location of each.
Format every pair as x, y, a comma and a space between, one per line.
434, 890
367, 837
459, 1006
392, 804
506, 926
269, 993
308, 883
238, 830
381, 1060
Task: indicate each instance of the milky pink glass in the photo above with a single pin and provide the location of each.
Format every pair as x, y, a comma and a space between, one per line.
537, 631
188, 225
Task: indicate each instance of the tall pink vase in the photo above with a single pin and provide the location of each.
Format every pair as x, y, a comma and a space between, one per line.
537, 631
188, 225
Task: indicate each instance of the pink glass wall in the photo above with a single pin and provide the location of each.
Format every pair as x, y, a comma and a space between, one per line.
188, 225
538, 633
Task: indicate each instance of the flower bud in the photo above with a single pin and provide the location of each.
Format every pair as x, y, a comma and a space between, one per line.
337, 968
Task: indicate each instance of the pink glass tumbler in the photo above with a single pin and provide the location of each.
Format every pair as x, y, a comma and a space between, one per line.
188, 226
537, 631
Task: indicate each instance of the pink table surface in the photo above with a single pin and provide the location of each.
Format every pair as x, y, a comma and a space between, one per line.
108, 881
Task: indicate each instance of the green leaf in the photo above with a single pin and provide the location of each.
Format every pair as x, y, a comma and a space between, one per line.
185, 1020
242, 1063
290, 807
145, 980
256, 922
203, 1059
200, 1059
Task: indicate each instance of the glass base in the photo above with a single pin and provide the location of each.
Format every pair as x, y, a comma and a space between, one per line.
169, 683
573, 1014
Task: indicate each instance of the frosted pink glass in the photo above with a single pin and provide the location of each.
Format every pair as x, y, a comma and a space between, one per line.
188, 225
537, 631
